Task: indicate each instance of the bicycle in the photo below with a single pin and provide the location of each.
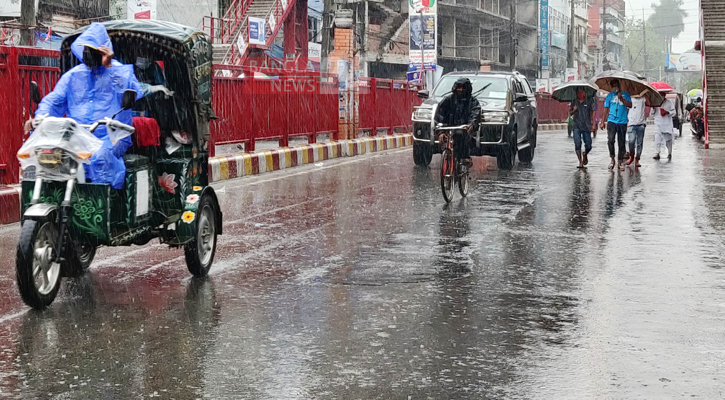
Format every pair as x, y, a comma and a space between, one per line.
452, 172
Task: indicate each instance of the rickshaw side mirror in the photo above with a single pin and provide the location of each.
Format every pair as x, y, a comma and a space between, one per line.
129, 99
34, 92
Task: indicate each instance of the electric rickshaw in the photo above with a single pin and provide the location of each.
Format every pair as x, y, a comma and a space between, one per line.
166, 192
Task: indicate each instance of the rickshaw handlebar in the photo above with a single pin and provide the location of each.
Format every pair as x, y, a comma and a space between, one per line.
111, 124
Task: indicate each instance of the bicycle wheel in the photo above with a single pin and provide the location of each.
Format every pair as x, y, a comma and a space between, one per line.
447, 175
463, 181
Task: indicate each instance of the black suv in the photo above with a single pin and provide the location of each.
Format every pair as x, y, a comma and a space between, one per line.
508, 118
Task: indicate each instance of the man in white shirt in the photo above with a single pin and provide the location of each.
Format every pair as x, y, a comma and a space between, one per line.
637, 123
663, 126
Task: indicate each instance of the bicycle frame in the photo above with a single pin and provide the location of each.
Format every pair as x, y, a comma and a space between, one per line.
450, 166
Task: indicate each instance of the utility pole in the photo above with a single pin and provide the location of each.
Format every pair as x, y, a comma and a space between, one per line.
328, 18
605, 44
27, 20
570, 42
644, 38
513, 36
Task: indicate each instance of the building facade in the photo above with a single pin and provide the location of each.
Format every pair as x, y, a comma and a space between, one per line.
606, 52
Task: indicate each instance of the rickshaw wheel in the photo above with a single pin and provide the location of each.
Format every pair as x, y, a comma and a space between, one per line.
79, 260
200, 251
37, 276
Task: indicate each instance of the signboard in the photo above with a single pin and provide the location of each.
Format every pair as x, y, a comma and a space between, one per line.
257, 31
571, 74
544, 34
554, 83
558, 40
141, 9
685, 62
422, 36
542, 86
314, 50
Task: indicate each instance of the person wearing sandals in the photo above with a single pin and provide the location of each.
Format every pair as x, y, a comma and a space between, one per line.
616, 107
637, 123
581, 111
663, 126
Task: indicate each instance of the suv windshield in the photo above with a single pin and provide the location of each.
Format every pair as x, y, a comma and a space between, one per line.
493, 96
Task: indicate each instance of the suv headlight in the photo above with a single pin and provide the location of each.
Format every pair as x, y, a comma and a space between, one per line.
496, 116
425, 114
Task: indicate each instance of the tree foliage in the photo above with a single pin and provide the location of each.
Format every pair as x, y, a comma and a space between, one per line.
668, 20
634, 49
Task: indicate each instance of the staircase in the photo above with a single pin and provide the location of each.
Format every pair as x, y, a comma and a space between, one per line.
713, 17
236, 22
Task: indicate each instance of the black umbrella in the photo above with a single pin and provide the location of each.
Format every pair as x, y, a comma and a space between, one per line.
567, 92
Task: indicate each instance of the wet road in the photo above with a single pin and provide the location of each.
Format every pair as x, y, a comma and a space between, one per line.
352, 280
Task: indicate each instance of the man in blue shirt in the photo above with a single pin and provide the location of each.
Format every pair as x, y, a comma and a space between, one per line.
616, 109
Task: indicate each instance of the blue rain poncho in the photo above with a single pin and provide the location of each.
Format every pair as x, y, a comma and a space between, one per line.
88, 96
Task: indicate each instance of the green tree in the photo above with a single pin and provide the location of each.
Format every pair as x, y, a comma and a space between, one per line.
634, 55
668, 20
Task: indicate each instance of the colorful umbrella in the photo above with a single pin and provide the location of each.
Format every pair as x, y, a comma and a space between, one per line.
630, 83
662, 87
695, 93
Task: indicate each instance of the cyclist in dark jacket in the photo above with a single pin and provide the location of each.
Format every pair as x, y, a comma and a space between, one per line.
460, 108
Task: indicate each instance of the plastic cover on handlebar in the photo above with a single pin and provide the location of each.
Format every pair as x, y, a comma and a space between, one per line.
117, 130
59, 133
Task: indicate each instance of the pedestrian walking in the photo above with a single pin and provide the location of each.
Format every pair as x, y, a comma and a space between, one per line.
616, 107
637, 125
663, 127
582, 112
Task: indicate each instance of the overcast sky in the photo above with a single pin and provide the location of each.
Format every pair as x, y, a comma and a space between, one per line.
687, 39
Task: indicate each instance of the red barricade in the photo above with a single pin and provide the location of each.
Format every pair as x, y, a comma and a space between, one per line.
249, 109
18, 67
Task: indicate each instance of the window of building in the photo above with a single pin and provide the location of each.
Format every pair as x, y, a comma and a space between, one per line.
489, 44
313, 29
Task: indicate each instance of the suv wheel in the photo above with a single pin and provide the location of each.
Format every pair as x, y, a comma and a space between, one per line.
526, 155
507, 154
422, 153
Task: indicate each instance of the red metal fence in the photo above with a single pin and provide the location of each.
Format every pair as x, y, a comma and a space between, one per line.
248, 109
261, 109
19, 66
386, 104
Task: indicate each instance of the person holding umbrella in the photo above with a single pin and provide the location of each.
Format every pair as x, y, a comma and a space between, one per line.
582, 108
663, 121
637, 124
616, 109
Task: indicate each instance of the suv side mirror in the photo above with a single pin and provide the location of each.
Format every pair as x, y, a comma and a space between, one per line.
34, 92
423, 94
129, 99
520, 98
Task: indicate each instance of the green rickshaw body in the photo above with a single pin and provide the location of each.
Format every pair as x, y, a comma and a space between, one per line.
162, 189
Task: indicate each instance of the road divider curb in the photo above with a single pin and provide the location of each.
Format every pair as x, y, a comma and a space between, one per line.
238, 165
552, 127
9, 205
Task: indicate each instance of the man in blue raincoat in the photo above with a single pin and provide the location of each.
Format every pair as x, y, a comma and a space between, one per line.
92, 91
